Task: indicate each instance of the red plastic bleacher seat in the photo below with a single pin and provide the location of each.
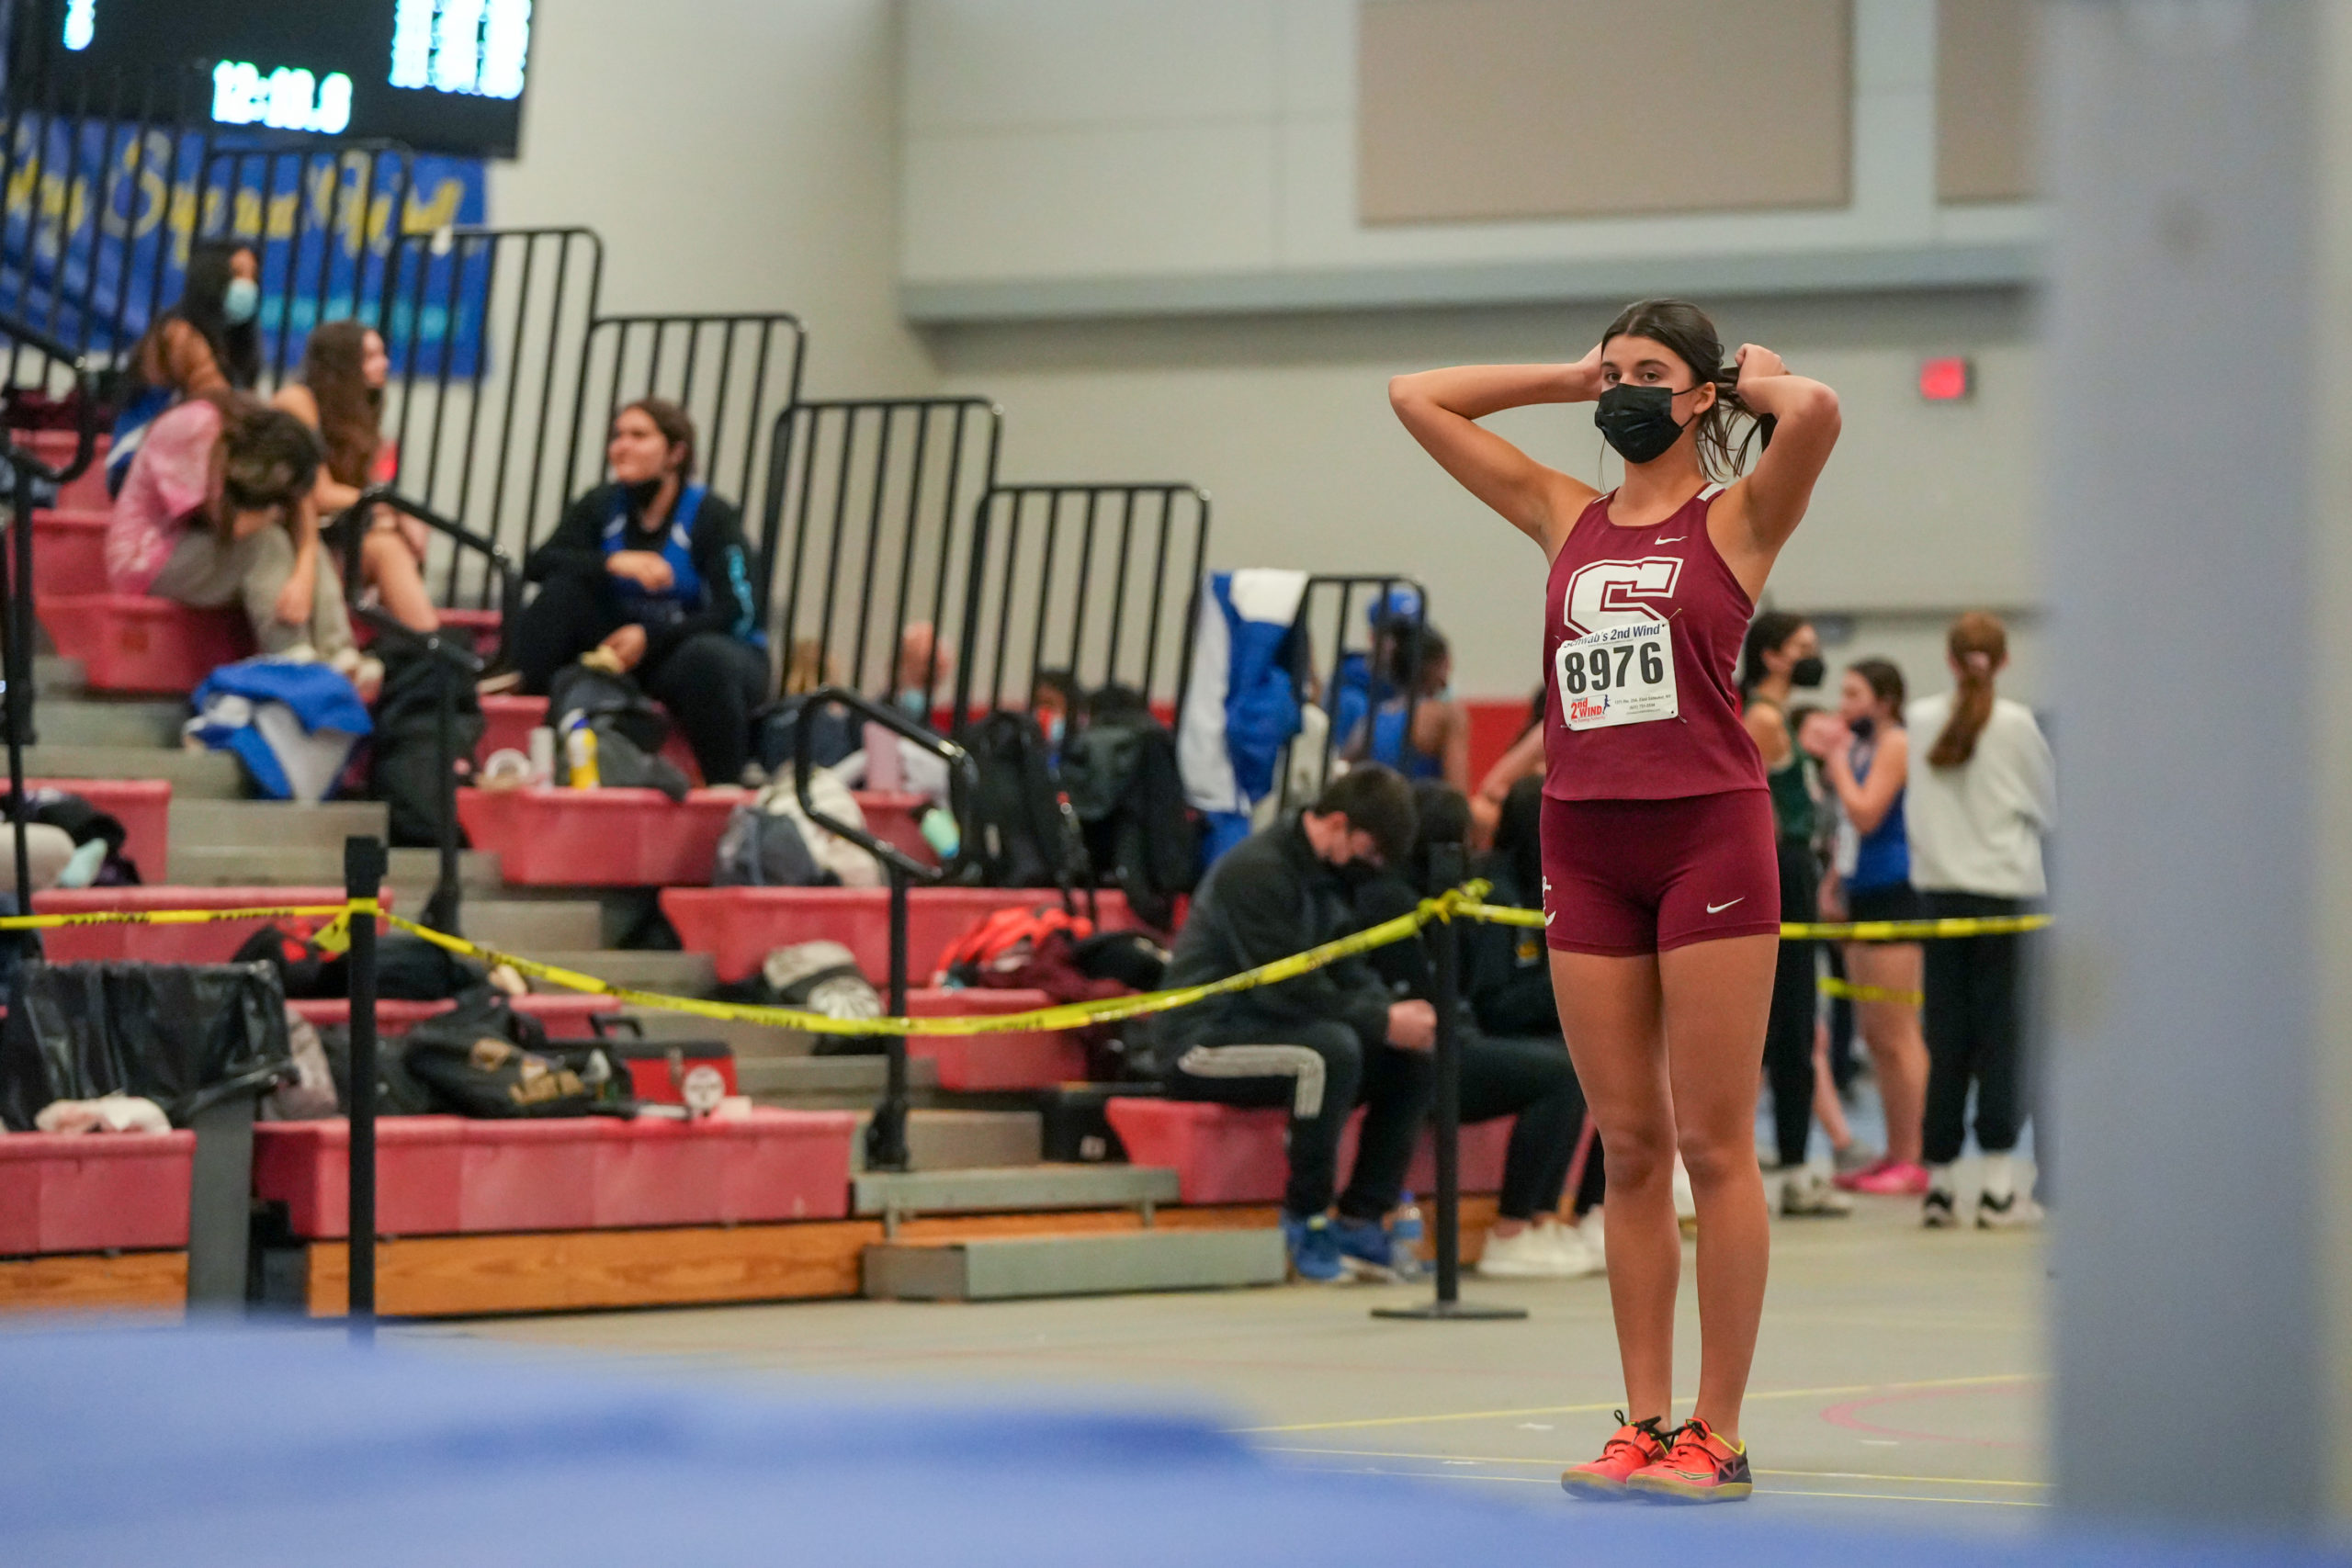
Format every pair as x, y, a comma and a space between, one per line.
1224, 1153
738, 926
1031, 1059
420, 1166
508, 720
449, 1175
213, 942
70, 552
94, 1192
598, 838
144, 807
87, 490
128, 642
562, 1016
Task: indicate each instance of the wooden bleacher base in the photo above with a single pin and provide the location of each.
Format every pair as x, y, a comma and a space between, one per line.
461, 1275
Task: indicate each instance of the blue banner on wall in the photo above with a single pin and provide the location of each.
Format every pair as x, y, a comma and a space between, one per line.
97, 218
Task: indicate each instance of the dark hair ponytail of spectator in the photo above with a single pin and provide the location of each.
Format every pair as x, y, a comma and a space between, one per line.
1979, 646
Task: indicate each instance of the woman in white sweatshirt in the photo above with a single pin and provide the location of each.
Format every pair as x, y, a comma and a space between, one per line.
1977, 813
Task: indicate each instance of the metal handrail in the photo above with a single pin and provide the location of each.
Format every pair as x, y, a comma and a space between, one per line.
886, 1134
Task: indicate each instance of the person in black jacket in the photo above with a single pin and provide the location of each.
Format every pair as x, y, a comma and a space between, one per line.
653, 569
1514, 1062
1321, 1043
1517, 1053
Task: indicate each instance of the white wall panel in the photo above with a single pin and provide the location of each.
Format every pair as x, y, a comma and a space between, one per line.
982, 65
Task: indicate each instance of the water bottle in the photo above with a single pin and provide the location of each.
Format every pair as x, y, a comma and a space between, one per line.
579, 752
1405, 1235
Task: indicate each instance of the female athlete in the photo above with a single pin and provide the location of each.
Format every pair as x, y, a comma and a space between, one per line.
1662, 900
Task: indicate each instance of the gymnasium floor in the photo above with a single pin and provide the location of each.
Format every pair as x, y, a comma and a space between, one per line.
1899, 1379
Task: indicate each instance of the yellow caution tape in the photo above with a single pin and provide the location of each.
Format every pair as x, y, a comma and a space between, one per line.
1847, 930
339, 912
1830, 986
1465, 901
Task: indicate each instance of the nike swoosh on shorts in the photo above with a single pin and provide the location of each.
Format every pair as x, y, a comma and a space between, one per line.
1719, 908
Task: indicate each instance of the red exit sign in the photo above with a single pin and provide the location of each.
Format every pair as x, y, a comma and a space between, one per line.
1947, 380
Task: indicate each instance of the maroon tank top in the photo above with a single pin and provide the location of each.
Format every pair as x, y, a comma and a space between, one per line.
1641, 641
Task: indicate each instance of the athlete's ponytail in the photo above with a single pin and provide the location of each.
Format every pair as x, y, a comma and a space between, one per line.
1979, 646
1688, 330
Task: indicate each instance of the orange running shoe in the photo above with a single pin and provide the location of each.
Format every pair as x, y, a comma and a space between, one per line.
1636, 1444
1698, 1467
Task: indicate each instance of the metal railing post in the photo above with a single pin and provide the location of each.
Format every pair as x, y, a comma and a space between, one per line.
363, 877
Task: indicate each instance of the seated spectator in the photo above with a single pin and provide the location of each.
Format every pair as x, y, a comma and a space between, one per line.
1319, 1045
341, 396
923, 671
217, 511
210, 342
1519, 1069
1507, 978
1427, 734
1053, 697
652, 569
1361, 683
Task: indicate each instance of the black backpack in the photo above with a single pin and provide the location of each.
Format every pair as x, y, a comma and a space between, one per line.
1018, 830
1129, 800
404, 758
485, 1059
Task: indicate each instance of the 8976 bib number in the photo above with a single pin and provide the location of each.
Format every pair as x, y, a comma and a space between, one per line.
1622, 675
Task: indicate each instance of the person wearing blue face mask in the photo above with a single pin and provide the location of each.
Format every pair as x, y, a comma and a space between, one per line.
208, 342
1052, 695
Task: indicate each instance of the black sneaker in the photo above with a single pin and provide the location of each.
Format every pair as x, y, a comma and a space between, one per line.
2015, 1212
1937, 1211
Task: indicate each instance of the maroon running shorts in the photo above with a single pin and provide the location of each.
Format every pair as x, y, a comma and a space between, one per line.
1626, 877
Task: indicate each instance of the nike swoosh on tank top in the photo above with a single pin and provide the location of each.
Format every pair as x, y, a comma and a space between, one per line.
1606, 578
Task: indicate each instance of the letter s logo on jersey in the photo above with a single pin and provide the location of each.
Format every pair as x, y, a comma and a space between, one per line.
1611, 592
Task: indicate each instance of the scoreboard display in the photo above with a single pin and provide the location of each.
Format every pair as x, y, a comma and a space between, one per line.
442, 76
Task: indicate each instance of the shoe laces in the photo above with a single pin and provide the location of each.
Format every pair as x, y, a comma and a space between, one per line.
1647, 1425
1694, 1434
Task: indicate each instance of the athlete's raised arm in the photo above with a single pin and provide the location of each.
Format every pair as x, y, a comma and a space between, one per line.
1443, 408
1765, 507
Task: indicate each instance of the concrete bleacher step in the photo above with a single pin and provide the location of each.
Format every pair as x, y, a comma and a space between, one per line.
273, 824
945, 1141
751, 1041
533, 926
676, 973
1011, 1268
127, 721
1011, 1188
192, 775
237, 866
845, 1083
57, 676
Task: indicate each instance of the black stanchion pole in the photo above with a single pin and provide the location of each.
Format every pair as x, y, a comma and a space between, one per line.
1444, 942
18, 675
886, 1140
363, 877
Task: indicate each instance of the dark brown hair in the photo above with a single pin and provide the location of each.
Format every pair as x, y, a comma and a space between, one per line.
676, 425
1690, 333
1374, 800
1979, 645
350, 410
1884, 679
1767, 633
268, 459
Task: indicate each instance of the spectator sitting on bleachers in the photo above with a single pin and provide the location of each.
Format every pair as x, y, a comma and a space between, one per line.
1427, 734
1052, 699
341, 396
218, 511
653, 569
210, 342
1318, 1044
923, 668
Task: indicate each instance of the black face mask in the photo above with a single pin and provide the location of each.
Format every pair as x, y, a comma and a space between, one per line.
1807, 671
1638, 422
640, 494
1863, 729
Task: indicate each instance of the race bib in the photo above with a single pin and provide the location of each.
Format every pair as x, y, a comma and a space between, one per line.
1622, 675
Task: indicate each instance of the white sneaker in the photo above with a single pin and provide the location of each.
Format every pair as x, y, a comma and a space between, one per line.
1529, 1255
2015, 1211
1568, 1246
1805, 1191
1596, 1238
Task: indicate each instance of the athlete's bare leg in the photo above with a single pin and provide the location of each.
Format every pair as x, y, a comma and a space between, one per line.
397, 576
1717, 996
1891, 1033
1610, 1012
1827, 1109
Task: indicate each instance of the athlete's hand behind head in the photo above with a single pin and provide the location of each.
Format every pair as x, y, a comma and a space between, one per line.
1757, 363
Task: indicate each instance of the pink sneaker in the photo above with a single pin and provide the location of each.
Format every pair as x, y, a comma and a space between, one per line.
1892, 1179
1852, 1180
